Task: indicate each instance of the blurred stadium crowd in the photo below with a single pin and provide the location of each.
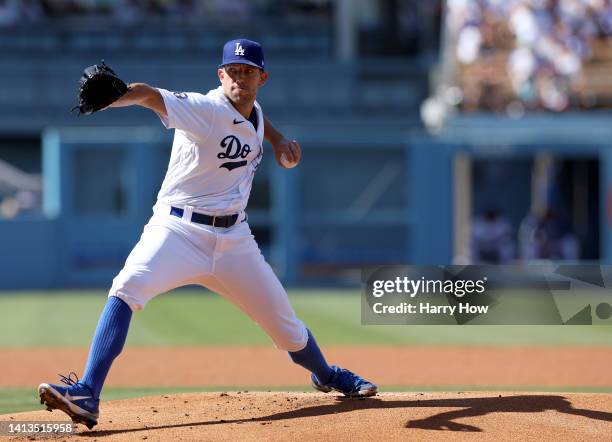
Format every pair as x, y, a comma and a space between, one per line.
383, 27
517, 55
132, 11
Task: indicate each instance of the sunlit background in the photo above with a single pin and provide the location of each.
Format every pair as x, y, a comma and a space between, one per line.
465, 131
433, 132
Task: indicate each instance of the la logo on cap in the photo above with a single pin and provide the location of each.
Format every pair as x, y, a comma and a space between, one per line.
241, 51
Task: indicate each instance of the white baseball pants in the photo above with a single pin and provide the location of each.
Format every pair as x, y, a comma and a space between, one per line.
174, 252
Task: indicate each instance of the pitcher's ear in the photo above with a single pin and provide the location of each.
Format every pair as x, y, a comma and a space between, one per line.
263, 78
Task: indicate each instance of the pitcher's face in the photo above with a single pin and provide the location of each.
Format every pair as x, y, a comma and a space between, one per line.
241, 82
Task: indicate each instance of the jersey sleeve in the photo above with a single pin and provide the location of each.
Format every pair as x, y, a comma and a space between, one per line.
188, 111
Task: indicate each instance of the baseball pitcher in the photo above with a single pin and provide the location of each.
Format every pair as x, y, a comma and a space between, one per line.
199, 232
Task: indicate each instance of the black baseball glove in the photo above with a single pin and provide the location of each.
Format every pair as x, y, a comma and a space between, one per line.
99, 86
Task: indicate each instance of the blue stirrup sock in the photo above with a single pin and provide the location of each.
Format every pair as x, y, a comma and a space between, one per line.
311, 358
108, 342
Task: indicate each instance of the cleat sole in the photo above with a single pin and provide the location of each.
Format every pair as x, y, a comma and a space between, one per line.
55, 403
363, 393
359, 394
321, 388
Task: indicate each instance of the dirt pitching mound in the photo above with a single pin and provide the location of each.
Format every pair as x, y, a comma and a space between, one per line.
509, 368
314, 416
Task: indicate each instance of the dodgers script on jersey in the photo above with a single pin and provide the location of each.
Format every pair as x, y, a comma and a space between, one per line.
215, 152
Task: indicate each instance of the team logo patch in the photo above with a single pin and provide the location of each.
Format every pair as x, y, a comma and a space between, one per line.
239, 49
181, 95
233, 150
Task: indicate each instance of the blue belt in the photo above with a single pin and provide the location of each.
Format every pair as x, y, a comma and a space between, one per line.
200, 218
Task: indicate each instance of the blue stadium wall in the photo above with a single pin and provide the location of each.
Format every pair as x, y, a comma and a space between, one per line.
355, 200
358, 198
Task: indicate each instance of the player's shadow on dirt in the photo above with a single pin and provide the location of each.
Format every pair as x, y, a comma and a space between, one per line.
469, 407
472, 407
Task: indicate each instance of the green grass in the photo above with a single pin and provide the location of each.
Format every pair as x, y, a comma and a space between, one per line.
195, 317
15, 400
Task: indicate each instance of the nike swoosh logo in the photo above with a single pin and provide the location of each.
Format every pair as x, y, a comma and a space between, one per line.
75, 398
232, 166
237, 121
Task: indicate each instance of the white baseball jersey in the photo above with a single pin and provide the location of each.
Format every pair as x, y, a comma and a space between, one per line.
214, 154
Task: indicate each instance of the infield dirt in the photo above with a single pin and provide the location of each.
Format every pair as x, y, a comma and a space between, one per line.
317, 416
534, 367
312, 416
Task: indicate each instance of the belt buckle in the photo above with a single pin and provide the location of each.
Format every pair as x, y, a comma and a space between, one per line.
214, 220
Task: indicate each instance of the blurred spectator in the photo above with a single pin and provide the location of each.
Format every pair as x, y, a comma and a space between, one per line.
19, 11
491, 238
547, 236
20, 192
129, 11
9, 12
23, 202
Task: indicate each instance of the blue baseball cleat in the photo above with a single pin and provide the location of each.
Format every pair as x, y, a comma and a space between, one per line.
345, 382
75, 399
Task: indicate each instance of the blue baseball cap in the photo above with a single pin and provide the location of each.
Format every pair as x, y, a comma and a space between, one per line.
243, 51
